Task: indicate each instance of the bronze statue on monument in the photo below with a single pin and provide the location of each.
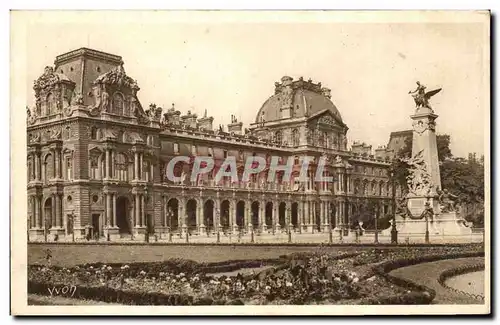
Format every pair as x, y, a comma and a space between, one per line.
421, 97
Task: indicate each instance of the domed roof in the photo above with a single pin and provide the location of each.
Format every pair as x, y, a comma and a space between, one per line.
304, 97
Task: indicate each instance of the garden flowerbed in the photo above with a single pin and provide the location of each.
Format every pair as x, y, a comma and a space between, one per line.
301, 278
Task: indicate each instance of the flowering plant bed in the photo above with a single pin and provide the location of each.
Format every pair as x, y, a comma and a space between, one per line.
300, 278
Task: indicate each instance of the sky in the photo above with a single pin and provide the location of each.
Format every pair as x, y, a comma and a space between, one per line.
230, 66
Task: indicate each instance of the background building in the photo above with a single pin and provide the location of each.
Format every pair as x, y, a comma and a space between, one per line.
97, 160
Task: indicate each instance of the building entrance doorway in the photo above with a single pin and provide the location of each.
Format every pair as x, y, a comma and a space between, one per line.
122, 215
96, 226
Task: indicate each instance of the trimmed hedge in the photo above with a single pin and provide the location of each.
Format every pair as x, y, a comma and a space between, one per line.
458, 271
112, 295
423, 294
185, 266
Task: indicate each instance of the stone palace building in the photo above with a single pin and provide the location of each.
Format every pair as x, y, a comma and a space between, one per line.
96, 160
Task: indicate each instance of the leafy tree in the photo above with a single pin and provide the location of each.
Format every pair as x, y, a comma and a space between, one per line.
462, 177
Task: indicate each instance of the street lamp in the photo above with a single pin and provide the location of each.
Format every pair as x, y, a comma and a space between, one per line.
289, 223
217, 214
330, 239
394, 230
427, 211
45, 227
72, 217
377, 211
146, 237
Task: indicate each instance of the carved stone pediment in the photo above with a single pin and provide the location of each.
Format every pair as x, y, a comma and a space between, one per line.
47, 80
52, 92
327, 120
95, 151
117, 77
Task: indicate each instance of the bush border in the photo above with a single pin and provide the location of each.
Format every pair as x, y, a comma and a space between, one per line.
424, 294
449, 273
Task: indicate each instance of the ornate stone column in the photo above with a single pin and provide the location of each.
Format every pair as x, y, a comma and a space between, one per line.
112, 164
136, 166
37, 166
182, 217
38, 215
142, 211
305, 217
262, 215
141, 165
108, 209
107, 164
247, 216
300, 214
53, 210
215, 218
137, 211
165, 210
114, 210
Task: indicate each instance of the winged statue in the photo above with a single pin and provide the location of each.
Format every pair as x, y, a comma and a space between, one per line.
421, 97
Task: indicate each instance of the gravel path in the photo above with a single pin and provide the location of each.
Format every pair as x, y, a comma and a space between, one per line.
427, 274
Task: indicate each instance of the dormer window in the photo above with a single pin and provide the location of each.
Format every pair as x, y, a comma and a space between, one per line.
50, 104
93, 133
118, 103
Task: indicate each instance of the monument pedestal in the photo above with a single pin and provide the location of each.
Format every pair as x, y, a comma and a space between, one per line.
450, 224
139, 233
445, 224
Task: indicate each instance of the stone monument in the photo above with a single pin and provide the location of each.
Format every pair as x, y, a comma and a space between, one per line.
424, 180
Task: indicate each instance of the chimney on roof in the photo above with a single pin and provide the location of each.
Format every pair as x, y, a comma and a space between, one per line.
235, 126
206, 122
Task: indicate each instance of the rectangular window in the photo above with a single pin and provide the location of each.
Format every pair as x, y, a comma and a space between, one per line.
68, 168
193, 150
211, 152
93, 168
176, 148
225, 153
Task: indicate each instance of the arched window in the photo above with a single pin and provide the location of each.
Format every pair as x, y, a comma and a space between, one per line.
69, 167
30, 168
365, 188
146, 170
94, 133
50, 104
327, 140
118, 103
94, 167
67, 133
121, 168
119, 136
277, 137
295, 138
321, 139
48, 167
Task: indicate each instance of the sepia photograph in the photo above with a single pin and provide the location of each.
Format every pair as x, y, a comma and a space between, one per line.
250, 163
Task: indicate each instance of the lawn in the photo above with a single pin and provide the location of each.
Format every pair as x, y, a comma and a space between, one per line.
69, 255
